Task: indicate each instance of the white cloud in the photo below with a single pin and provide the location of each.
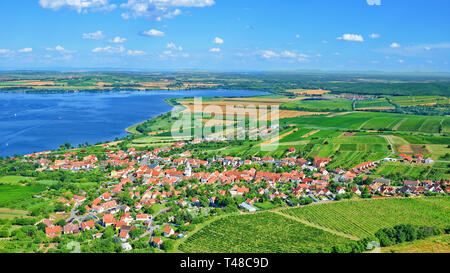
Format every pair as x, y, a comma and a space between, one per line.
351, 38
297, 36
158, 9
170, 53
98, 35
289, 54
374, 35
214, 49
268, 54
136, 53
60, 49
401, 61
416, 50
374, 2
118, 40
174, 47
26, 50
154, 32
78, 5
218, 41
109, 49
432, 46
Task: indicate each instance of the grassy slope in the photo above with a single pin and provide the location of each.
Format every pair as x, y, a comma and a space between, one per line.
437, 244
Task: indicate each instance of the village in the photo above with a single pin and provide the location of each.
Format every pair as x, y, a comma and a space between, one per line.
146, 190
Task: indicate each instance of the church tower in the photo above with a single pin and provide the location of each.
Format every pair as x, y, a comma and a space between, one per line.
188, 170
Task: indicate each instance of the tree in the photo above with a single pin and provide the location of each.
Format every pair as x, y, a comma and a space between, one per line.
135, 233
204, 201
168, 245
61, 222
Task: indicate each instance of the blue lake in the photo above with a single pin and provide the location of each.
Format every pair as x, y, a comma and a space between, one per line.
39, 122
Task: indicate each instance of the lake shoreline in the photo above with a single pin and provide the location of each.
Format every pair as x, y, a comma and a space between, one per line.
45, 121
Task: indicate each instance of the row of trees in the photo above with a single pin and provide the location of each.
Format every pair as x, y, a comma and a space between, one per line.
391, 236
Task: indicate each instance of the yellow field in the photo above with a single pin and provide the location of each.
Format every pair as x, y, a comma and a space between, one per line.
308, 92
438, 244
239, 108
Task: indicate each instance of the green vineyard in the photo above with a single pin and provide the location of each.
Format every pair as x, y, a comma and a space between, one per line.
260, 233
364, 218
270, 232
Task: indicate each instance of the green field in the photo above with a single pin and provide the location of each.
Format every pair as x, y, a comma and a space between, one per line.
319, 105
373, 103
374, 121
13, 193
405, 101
400, 171
12, 179
364, 218
296, 136
265, 232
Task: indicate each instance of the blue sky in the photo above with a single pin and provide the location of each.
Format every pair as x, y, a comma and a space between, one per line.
226, 35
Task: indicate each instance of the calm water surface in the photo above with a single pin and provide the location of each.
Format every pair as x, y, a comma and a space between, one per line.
38, 122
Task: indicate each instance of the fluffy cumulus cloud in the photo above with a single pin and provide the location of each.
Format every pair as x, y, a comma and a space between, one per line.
153, 32
26, 50
374, 2
118, 40
214, 49
158, 9
218, 41
98, 35
394, 45
60, 49
351, 38
78, 5
374, 36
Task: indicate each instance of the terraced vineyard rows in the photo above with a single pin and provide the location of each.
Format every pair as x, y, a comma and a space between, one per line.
260, 233
364, 218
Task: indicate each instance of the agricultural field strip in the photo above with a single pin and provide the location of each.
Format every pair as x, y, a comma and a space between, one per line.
395, 128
